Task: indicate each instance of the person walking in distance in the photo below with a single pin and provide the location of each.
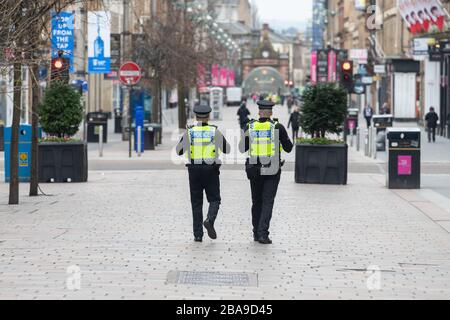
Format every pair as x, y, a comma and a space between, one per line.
243, 114
263, 139
432, 119
203, 143
294, 120
368, 114
290, 103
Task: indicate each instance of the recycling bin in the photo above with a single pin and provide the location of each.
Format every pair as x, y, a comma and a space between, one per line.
352, 121
95, 120
2, 135
25, 137
404, 154
381, 123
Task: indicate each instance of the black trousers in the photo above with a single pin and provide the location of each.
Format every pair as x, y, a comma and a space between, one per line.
431, 134
264, 190
204, 178
295, 133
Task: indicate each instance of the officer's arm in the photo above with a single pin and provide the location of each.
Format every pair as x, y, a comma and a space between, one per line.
244, 144
284, 138
182, 146
223, 144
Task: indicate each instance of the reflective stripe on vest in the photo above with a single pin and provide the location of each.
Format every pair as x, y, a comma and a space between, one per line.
202, 141
262, 139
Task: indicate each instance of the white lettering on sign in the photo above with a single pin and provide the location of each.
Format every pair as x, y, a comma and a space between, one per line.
129, 73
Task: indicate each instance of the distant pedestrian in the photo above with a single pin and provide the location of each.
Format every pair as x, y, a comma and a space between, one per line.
290, 103
368, 114
294, 120
243, 114
432, 119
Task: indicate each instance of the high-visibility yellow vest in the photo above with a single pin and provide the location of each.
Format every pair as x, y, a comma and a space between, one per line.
262, 139
202, 141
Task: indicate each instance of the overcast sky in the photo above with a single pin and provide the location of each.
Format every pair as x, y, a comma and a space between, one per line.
288, 10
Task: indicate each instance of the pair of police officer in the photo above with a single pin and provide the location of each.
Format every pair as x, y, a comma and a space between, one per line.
263, 139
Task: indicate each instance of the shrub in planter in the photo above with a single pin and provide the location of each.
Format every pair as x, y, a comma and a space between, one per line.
61, 158
61, 111
321, 158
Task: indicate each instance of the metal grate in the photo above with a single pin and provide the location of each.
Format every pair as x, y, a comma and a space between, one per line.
232, 279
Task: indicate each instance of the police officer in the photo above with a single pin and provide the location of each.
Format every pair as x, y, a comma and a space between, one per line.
202, 143
264, 139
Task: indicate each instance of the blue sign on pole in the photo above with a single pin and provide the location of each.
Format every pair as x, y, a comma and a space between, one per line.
99, 42
63, 36
139, 120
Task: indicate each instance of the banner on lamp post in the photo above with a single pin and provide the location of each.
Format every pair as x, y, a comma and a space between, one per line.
63, 36
332, 63
99, 42
223, 77
314, 67
215, 75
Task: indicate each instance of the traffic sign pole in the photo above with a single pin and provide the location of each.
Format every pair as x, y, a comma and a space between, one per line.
130, 75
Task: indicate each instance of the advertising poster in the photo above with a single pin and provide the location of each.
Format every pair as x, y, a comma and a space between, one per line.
332, 63
322, 66
314, 67
63, 36
223, 77
99, 42
215, 75
423, 16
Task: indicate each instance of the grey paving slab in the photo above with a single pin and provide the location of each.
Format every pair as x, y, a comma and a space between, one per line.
125, 231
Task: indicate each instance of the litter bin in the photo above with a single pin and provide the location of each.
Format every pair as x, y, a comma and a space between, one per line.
118, 122
157, 128
25, 137
149, 139
381, 123
2, 135
404, 155
95, 120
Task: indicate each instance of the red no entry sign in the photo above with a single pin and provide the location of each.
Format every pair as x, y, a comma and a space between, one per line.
130, 73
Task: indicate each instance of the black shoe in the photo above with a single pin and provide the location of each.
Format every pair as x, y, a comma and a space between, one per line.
210, 228
265, 240
255, 238
198, 239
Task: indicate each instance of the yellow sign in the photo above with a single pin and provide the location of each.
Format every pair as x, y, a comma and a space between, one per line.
23, 159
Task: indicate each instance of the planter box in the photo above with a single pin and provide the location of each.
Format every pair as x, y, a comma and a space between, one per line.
321, 164
59, 162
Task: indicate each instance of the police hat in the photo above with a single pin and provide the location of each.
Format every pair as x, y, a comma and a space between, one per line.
265, 105
202, 110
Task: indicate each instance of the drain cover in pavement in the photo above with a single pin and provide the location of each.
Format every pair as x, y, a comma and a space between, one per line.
213, 278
